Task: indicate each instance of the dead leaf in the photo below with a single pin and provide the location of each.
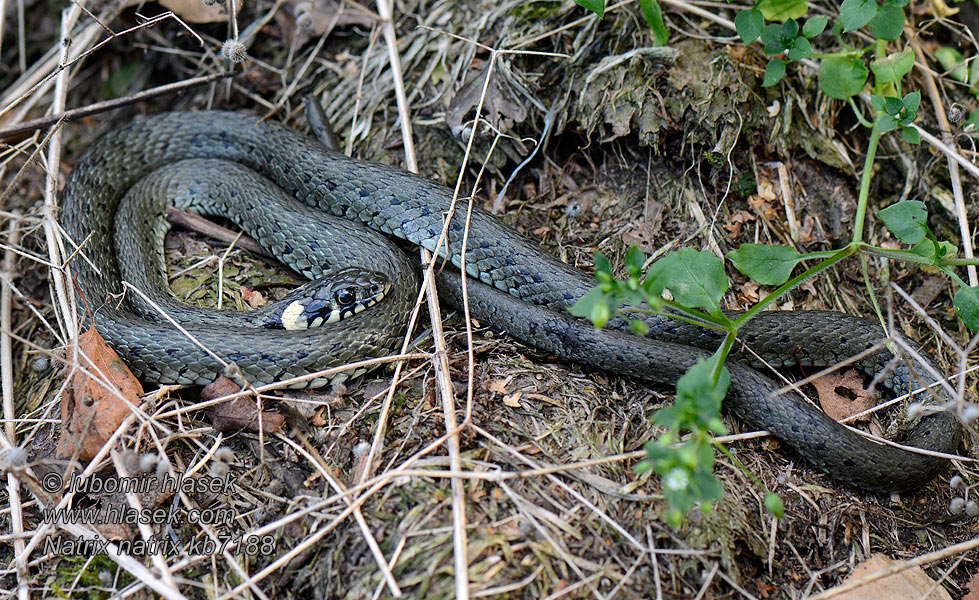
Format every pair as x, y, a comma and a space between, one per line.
749, 291
305, 19
513, 400
239, 413
195, 11
90, 413
973, 588
942, 10
910, 584
251, 297
499, 385
500, 106
837, 406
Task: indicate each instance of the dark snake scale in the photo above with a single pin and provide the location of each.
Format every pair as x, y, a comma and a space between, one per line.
514, 286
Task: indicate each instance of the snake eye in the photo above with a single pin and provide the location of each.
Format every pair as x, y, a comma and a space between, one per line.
344, 297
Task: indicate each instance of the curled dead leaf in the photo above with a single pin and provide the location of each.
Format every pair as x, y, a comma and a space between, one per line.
837, 406
91, 410
239, 413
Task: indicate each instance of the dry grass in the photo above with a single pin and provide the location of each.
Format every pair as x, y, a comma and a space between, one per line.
490, 454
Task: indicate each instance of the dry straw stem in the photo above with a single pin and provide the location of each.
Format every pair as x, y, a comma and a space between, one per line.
440, 358
953, 168
9, 414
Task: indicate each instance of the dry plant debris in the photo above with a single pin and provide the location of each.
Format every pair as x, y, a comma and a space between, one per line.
657, 148
98, 396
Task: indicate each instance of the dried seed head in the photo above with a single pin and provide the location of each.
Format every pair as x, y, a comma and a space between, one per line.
233, 50
970, 413
972, 508
13, 457
304, 15
916, 410
956, 483
225, 455
956, 506
361, 449
130, 460
219, 469
162, 467
147, 462
956, 113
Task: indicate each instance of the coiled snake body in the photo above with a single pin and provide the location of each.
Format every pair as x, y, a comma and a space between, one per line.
514, 286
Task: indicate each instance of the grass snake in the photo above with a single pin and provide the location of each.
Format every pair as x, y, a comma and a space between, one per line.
514, 286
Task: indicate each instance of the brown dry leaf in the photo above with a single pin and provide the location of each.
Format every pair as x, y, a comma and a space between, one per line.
240, 413
837, 406
251, 297
973, 588
499, 385
500, 106
749, 291
513, 400
90, 413
910, 584
317, 16
195, 11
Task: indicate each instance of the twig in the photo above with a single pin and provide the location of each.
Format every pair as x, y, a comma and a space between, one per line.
7, 375
14, 133
924, 559
440, 359
953, 167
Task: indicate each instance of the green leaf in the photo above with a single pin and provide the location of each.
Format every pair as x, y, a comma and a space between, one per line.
696, 279
911, 135
800, 49
966, 303
893, 67
639, 327
877, 102
841, 77
596, 6
934, 250
814, 26
768, 265
706, 486
774, 505
654, 18
773, 72
780, 10
790, 29
887, 123
907, 220
749, 24
634, 261
892, 105
953, 62
587, 307
912, 101
888, 23
854, 14
771, 37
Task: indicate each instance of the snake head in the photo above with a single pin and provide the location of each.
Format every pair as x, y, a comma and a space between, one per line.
328, 300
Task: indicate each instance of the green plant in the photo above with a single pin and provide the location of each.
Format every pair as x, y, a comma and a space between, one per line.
697, 280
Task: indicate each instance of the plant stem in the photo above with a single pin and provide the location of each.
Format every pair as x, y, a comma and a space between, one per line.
722, 352
865, 177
